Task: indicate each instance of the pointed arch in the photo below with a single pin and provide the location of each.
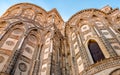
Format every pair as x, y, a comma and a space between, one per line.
28, 53
10, 43
95, 51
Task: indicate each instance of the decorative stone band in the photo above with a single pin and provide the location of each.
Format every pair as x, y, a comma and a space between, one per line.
1, 73
102, 65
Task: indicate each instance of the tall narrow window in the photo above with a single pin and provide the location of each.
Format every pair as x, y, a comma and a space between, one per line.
95, 51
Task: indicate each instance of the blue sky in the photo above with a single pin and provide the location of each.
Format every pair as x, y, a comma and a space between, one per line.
66, 8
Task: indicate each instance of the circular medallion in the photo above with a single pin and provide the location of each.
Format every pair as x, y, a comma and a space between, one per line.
27, 49
1, 59
22, 67
10, 43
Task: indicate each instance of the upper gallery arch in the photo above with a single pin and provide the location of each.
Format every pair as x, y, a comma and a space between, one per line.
87, 16
33, 12
24, 9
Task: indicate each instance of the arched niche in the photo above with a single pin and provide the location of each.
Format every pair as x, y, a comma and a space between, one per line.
15, 12
40, 18
50, 18
95, 51
29, 50
12, 37
30, 45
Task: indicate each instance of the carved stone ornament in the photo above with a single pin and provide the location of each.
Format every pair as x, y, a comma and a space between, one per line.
23, 67
10, 43
27, 49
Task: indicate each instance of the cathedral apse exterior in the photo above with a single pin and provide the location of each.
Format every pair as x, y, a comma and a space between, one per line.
38, 42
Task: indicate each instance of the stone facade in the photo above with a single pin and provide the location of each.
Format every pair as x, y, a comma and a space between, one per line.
38, 42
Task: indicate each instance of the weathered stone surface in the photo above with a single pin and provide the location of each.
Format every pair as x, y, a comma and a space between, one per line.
36, 42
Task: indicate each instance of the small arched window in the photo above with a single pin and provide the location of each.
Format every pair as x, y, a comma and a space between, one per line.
95, 51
